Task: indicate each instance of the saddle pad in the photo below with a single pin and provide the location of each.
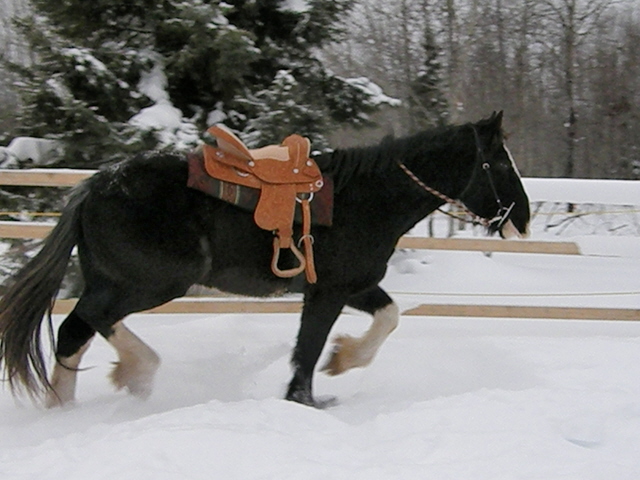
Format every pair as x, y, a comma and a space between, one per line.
247, 197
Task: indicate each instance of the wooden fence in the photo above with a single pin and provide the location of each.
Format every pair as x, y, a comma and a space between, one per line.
241, 305
67, 178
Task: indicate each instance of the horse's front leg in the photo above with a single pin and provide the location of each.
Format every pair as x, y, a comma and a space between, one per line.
320, 311
353, 352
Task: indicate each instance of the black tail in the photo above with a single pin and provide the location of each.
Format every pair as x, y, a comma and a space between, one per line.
32, 294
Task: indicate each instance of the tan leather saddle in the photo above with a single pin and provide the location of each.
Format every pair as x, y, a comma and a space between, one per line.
285, 176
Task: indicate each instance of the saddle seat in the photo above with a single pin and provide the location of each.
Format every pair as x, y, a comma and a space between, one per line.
285, 176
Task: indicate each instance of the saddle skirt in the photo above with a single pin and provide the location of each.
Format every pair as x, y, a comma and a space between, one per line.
247, 198
284, 174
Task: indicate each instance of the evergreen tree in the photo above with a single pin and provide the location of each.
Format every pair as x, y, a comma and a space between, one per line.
427, 100
278, 113
217, 61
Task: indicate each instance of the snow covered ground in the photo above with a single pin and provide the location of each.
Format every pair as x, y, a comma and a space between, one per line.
447, 398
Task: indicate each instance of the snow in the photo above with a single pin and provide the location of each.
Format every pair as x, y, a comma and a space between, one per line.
446, 398
84, 60
609, 192
153, 84
374, 91
167, 121
217, 116
296, 6
39, 151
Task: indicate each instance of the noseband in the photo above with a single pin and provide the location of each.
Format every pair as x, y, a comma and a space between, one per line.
501, 215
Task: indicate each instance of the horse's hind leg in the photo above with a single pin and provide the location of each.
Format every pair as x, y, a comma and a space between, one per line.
104, 308
135, 369
137, 363
74, 338
350, 352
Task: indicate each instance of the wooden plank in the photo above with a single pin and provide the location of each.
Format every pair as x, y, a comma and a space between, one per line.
215, 306
510, 311
489, 245
209, 306
13, 229
43, 177
229, 306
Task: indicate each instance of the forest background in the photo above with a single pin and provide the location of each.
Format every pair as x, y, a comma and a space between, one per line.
566, 72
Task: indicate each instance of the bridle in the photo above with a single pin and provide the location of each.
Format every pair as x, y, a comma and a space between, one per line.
503, 212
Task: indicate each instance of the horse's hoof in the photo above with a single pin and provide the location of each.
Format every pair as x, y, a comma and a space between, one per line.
305, 398
346, 354
336, 363
137, 381
54, 401
326, 401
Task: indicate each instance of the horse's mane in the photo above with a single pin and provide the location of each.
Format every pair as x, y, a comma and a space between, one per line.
344, 164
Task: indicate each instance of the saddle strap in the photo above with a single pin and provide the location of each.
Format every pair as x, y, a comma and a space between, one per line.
306, 261
307, 241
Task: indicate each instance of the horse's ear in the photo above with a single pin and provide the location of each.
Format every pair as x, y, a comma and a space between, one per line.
494, 121
491, 128
497, 119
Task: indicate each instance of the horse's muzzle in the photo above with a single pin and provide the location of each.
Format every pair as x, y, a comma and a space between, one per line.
509, 230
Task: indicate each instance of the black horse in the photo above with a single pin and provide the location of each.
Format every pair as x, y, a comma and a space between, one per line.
144, 238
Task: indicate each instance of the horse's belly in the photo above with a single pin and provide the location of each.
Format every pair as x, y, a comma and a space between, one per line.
245, 281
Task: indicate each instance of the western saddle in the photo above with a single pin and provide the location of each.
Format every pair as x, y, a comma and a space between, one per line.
284, 174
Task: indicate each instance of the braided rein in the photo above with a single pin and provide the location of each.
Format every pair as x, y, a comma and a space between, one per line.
475, 219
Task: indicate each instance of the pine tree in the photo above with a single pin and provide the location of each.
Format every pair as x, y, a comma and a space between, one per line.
278, 113
219, 61
427, 101
81, 95
287, 70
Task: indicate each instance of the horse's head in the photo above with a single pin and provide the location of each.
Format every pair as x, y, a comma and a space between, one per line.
495, 189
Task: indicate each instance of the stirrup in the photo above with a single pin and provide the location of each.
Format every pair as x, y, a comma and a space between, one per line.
292, 272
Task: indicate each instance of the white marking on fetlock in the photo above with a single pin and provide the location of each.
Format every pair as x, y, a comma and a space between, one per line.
64, 378
137, 363
350, 352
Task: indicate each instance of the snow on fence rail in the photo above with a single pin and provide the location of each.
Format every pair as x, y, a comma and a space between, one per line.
578, 207
579, 191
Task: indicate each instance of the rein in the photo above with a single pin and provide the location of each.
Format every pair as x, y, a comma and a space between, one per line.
475, 219
501, 215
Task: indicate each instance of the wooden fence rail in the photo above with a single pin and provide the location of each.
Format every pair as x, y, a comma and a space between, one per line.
43, 177
243, 305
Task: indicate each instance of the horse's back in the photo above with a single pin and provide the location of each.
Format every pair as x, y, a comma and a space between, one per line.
143, 178
139, 222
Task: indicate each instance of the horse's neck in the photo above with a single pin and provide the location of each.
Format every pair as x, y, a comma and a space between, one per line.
448, 166
384, 193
